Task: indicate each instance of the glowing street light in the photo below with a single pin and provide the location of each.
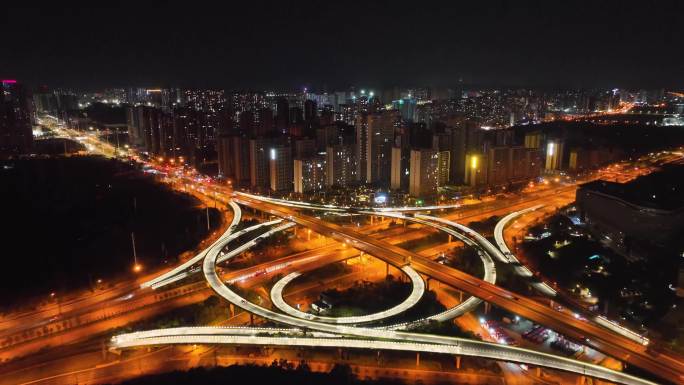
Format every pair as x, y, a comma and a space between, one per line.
136, 266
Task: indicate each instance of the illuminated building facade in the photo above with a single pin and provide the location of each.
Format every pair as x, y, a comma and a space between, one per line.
475, 169
554, 155
309, 174
340, 165
424, 173
280, 168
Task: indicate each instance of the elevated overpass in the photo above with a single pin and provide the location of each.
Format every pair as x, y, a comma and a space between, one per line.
600, 338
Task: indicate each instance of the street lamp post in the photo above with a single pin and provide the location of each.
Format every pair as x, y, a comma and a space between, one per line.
136, 265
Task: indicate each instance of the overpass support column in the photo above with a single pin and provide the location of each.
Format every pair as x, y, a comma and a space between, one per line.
581, 380
251, 319
486, 307
417, 359
539, 372
232, 310
371, 219
427, 284
404, 221
460, 296
458, 362
449, 238
386, 269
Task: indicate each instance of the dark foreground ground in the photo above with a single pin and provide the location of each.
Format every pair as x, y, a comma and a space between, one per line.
278, 373
67, 222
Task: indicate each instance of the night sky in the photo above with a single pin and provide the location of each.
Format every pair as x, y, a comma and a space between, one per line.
334, 44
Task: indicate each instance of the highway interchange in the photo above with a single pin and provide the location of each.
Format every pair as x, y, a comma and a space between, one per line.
403, 340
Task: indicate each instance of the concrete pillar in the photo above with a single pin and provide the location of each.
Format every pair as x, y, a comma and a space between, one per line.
539, 372
458, 362
386, 269
449, 238
417, 359
581, 380
371, 219
486, 307
460, 296
251, 319
427, 284
232, 310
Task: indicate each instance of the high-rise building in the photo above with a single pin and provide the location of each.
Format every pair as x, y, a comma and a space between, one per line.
296, 115
224, 150
280, 168
475, 169
55, 102
264, 124
153, 131
526, 163
397, 171
375, 138
443, 167
143, 124
327, 135
259, 163
340, 165
282, 115
309, 174
512, 164
347, 113
407, 107
246, 123
186, 130
554, 155
212, 114
424, 175
304, 148
499, 165
327, 115
233, 159
16, 131
533, 139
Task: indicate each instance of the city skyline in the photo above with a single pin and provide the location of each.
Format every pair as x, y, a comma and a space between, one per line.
359, 193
